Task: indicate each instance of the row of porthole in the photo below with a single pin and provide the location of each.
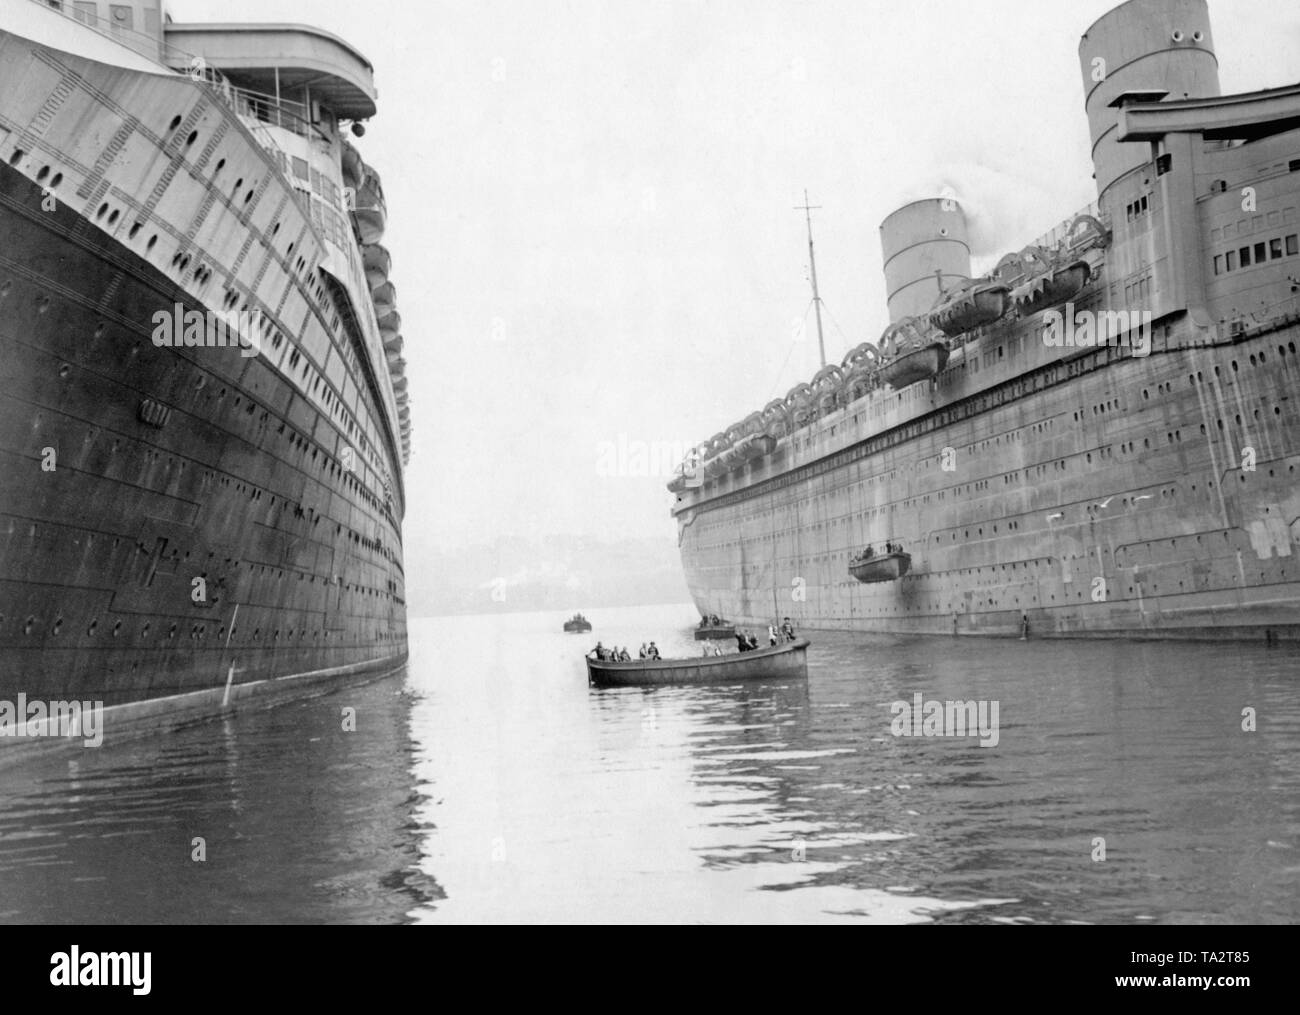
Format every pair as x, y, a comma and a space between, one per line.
179, 260
256, 494
182, 261
302, 444
197, 632
1173, 436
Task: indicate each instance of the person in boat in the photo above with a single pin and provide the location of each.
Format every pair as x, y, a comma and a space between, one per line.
643, 650
771, 635
714, 621
753, 642
741, 642
599, 651
787, 629
653, 651
625, 656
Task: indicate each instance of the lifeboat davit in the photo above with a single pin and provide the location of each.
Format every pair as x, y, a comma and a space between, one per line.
1052, 288
970, 307
863, 354
1085, 233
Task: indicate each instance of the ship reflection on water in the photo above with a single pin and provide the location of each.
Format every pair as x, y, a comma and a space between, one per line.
491, 784
300, 821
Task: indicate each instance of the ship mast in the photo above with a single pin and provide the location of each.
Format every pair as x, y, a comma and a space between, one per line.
808, 209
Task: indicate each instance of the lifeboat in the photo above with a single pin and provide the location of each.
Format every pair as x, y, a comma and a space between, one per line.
872, 568
747, 450
385, 300
371, 211
354, 169
394, 346
390, 324
972, 306
377, 261
1052, 288
911, 354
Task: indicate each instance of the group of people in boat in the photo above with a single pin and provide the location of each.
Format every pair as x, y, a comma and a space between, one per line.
746, 641
622, 655
870, 551
711, 620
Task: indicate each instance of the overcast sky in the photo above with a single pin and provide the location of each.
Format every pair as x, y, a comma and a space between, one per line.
591, 208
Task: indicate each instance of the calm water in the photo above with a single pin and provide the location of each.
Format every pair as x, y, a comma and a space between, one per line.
490, 784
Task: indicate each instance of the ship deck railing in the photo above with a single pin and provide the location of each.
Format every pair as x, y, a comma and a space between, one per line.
253, 108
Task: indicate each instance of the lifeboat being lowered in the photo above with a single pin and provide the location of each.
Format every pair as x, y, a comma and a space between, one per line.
871, 568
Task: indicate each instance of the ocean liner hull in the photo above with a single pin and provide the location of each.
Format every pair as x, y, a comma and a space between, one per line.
1106, 503
179, 527
1117, 457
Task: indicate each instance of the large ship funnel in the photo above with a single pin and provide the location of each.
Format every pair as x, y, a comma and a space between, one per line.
1142, 51
927, 251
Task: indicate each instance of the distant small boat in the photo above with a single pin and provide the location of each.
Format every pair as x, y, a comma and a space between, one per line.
577, 625
715, 632
784, 662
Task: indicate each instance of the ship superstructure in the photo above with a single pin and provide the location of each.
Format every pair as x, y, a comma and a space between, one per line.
182, 519
1098, 437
